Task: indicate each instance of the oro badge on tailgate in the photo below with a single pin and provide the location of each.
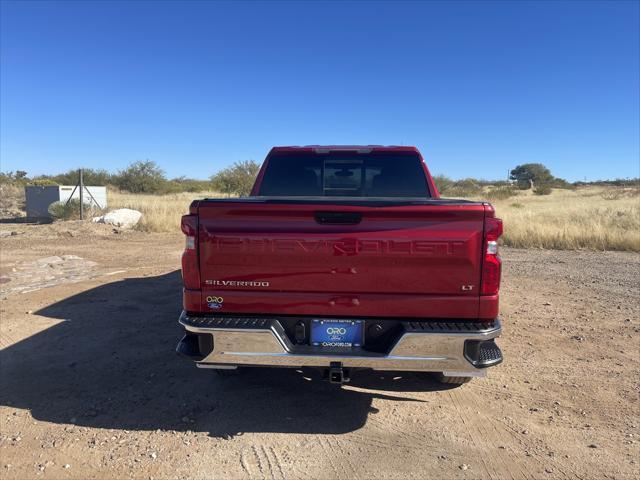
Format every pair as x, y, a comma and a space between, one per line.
214, 302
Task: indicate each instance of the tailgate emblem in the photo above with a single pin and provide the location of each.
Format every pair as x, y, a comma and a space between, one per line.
467, 288
235, 283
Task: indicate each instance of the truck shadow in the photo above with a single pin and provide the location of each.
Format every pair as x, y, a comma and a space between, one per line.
110, 363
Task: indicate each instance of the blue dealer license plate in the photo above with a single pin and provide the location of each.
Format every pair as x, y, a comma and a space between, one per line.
337, 333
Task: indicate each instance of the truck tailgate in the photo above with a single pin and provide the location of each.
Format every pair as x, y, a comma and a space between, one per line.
333, 259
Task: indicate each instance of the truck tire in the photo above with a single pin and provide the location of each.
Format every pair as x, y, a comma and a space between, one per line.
453, 380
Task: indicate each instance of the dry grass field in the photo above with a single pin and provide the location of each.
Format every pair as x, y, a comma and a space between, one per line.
160, 213
594, 218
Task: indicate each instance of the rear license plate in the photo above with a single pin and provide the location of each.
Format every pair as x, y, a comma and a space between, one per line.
337, 333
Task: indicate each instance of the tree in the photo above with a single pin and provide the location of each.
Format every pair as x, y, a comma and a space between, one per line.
141, 177
236, 179
529, 175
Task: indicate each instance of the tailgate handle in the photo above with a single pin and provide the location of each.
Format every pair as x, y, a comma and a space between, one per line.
338, 218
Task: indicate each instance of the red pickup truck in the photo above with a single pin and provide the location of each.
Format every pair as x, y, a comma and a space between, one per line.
343, 258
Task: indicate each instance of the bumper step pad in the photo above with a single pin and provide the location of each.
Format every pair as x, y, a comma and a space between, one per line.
482, 353
490, 352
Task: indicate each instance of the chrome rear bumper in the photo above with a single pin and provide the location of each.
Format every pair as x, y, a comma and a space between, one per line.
263, 342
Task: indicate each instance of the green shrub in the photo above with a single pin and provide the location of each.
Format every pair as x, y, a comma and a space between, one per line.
501, 193
443, 183
495, 183
42, 182
18, 177
71, 210
141, 177
542, 189
183, 184
65, 211
464, 188
562, 183
236, 179
618, 182
90, 176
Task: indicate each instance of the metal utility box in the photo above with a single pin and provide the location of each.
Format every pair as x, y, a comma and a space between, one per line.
38, 198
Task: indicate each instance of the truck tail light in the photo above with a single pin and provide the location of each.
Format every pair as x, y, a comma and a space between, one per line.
190, 270
491, 265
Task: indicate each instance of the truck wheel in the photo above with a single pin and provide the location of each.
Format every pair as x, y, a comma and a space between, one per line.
453, 380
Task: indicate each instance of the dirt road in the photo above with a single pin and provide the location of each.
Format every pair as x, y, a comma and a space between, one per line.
91, 386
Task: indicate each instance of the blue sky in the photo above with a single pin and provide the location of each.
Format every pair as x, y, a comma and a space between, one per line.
478, 87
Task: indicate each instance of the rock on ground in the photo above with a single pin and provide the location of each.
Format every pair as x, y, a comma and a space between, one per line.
123, 217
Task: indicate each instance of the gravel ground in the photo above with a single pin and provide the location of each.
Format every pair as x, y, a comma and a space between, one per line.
91, 387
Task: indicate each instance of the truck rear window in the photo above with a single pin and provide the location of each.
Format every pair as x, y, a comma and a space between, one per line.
342, 174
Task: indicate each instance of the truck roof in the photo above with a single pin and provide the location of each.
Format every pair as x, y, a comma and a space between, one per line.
344, 148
